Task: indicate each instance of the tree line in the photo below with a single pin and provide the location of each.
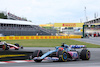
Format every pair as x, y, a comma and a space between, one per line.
3, 16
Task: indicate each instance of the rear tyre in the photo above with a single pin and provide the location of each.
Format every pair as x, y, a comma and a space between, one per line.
85, 54
5, 47
63, 56
37, 53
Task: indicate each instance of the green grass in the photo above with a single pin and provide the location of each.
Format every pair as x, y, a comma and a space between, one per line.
50, 43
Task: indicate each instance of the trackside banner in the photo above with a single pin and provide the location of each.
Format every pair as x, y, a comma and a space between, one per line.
68, 24
38, 37
46, 25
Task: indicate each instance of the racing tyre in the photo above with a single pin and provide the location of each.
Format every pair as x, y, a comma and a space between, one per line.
37, 53
21, 47
63, 56
85, 54
5, 47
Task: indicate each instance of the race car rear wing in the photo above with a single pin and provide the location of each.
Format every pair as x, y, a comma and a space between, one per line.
77, 46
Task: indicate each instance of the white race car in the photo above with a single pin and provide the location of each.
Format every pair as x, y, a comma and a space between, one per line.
7, 46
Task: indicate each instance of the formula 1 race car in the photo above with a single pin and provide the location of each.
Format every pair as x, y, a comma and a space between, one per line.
7, 46
63, 53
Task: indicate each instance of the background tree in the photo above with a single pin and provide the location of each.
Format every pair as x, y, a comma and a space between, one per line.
3, 16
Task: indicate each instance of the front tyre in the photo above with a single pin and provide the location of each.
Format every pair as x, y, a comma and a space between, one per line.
37, 53
63, 56
85, 54
21, 47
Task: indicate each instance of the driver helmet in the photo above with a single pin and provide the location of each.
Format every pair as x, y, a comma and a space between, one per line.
62, 44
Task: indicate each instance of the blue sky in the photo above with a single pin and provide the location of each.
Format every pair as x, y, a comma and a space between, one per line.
54, 11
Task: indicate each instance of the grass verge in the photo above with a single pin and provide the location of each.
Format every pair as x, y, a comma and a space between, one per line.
50, 43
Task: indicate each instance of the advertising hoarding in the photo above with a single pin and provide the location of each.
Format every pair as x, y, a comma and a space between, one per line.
68, 24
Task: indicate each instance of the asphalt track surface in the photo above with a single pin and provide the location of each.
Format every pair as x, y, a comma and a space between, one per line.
94, 40
93, 62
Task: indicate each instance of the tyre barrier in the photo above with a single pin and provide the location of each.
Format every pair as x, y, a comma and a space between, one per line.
15, 55
38, 37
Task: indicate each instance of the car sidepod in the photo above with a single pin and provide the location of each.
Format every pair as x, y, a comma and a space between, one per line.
73, 55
